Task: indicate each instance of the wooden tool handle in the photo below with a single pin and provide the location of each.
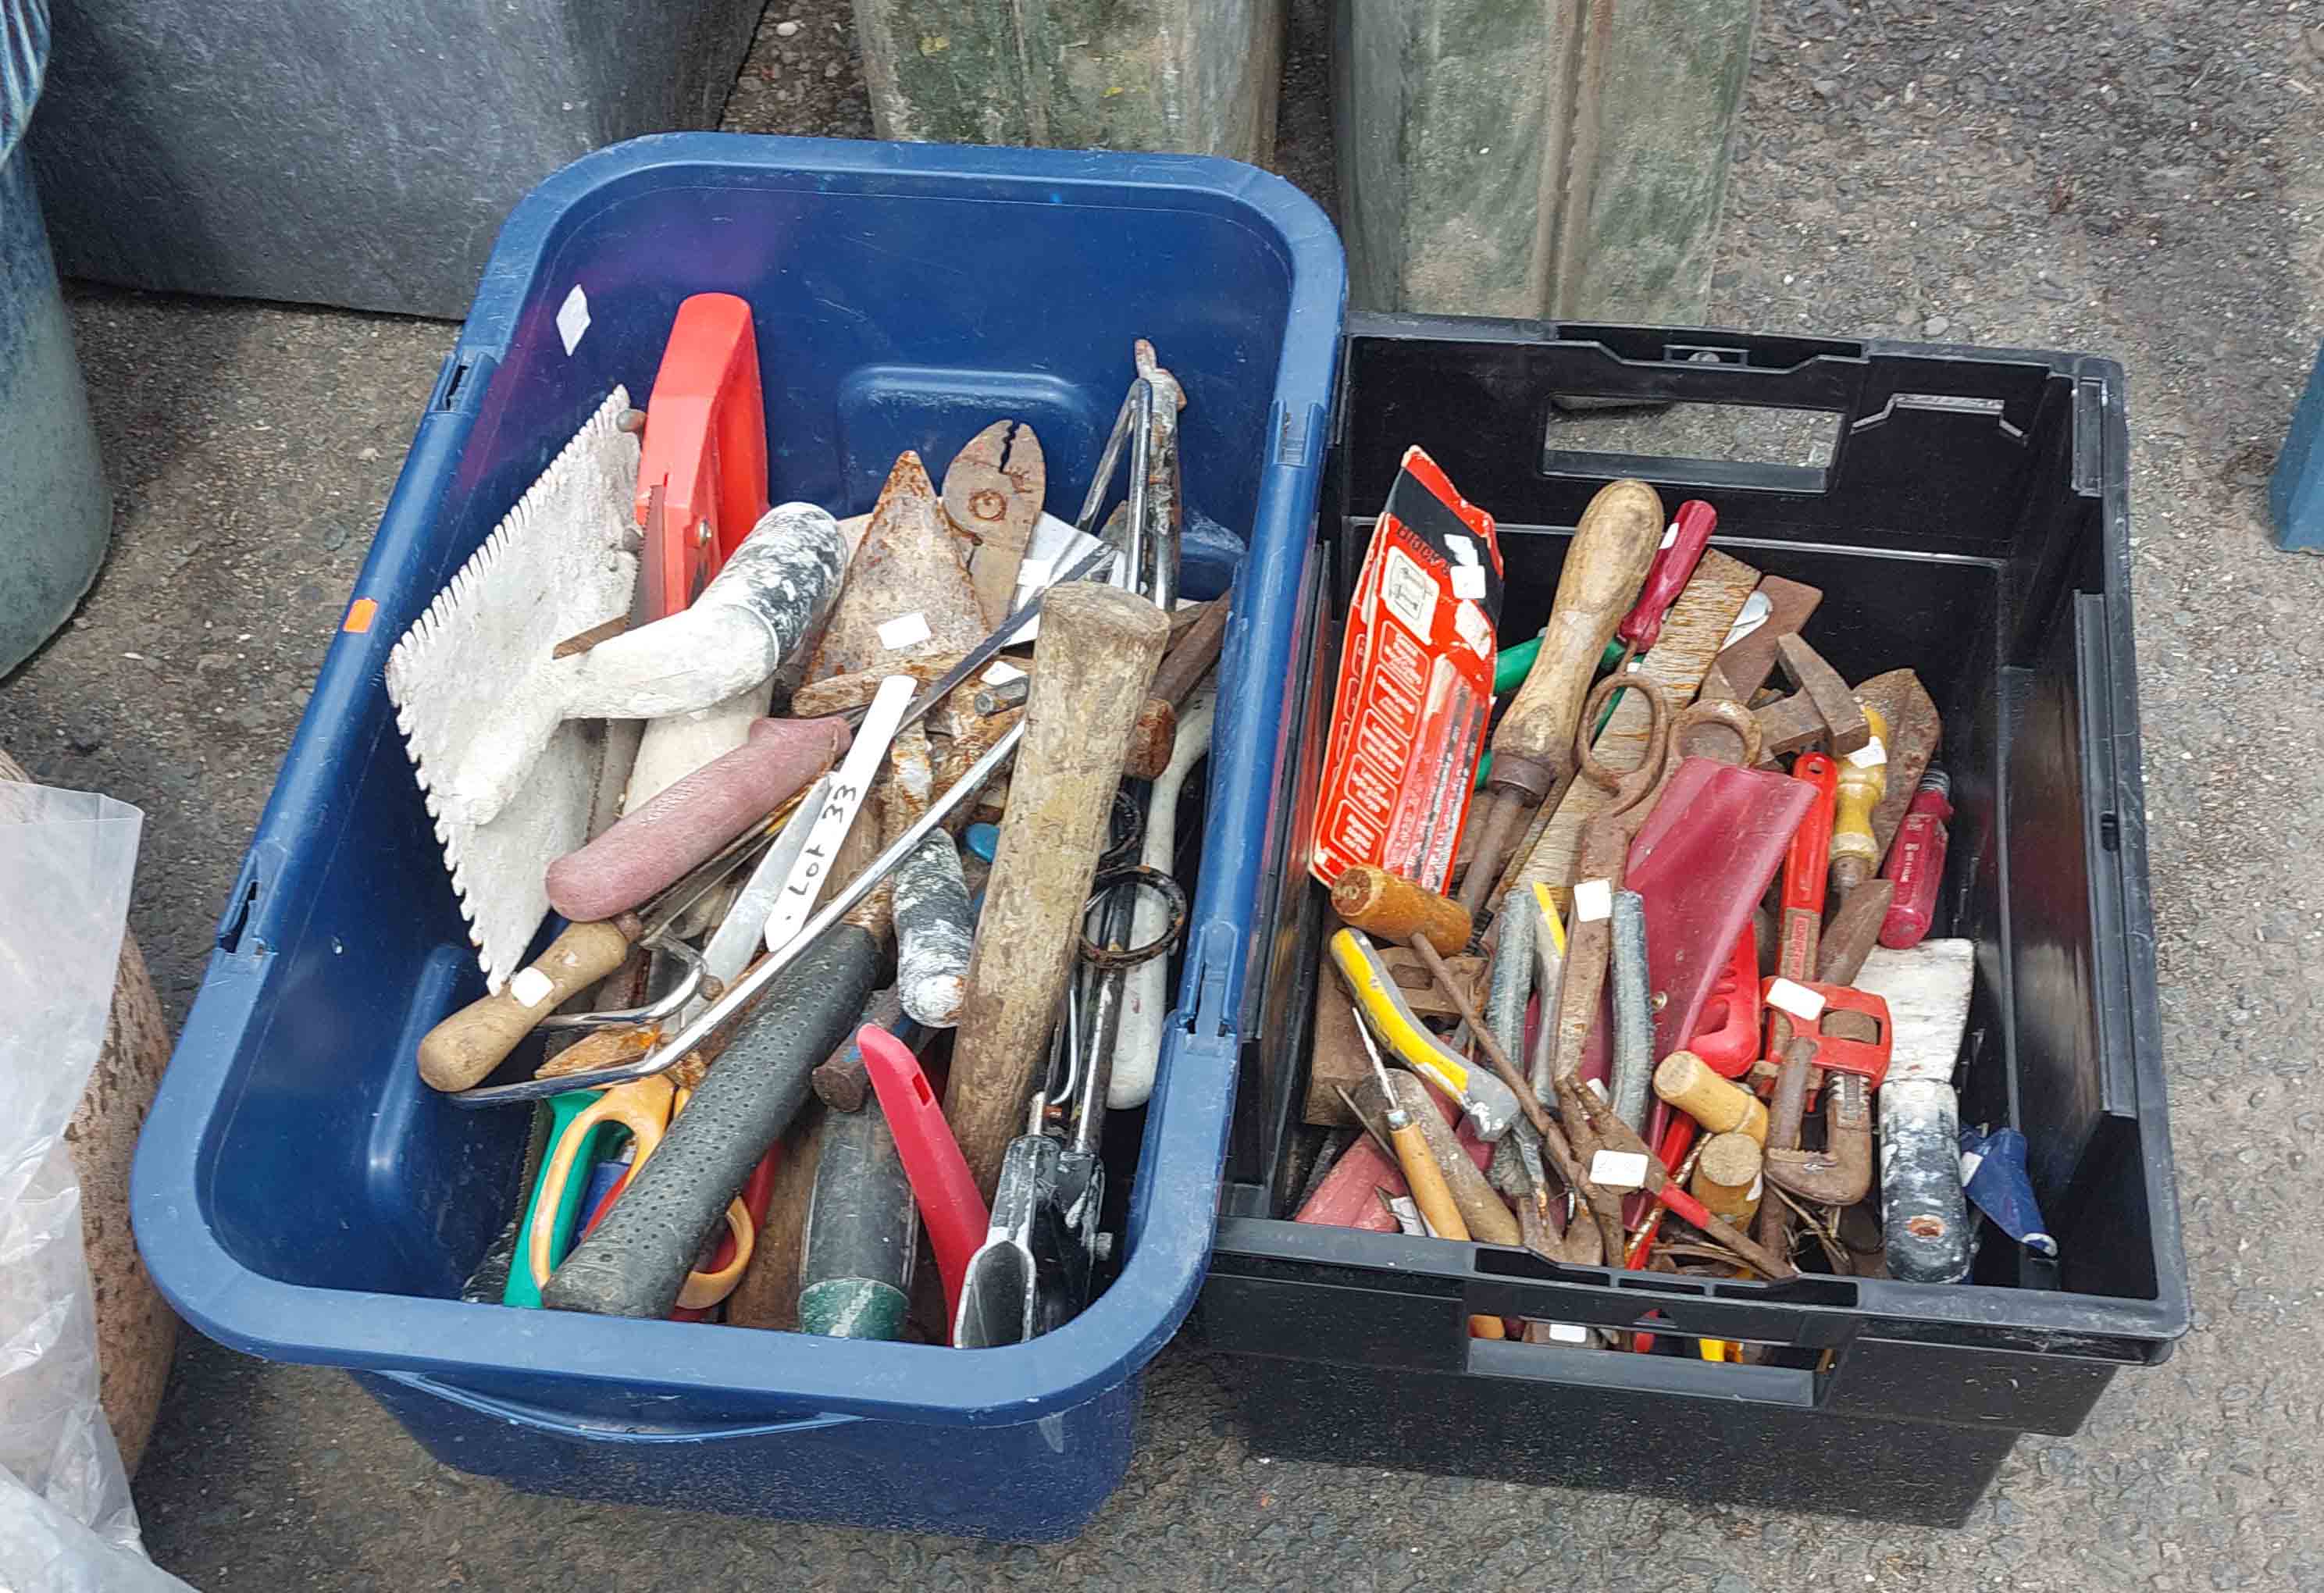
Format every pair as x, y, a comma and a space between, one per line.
1849, 938
461, 1051
1855, 854
637, 1260
1425, 1180
687, 824
1688, 1083
1369, 897
1483, 1214
1784, 1120
1727, 1177
1093, 666
1605, 565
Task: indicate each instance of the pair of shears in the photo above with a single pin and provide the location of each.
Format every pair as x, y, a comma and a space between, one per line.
645, 1107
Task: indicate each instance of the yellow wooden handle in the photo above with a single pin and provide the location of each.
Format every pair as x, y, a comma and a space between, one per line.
1605, 565
1689, 1083
461, 1051
1425, 1179
1861, 787
1378, 903
1727, 1177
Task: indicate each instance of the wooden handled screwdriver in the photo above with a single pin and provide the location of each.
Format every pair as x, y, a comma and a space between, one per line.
1863, 781
1532, 750
1424, 1175
1421, 911
1096, 658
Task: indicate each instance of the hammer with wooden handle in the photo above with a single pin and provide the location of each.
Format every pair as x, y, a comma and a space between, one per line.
1533, 750
1096, 658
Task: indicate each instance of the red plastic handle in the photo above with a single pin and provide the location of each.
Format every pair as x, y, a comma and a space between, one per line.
950, 1206
1667, 576
1729, 1041
1811, 852
1916, 865
705, 450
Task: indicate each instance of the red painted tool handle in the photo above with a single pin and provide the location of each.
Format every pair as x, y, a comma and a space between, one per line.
1684, 1206
1803, 868
1804, 864
1916, 865
953, 1212
689, 822
1672, 568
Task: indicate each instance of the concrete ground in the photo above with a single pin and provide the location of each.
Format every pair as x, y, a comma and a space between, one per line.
2139, 177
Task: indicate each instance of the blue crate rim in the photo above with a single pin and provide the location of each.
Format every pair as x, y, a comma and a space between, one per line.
435, 1343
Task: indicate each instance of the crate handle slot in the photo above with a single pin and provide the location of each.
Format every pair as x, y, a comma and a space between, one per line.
1806, 1311
1658, 1376
560, 1424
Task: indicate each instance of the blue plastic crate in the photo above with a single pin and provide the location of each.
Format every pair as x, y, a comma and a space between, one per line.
300, 1195
2295, 493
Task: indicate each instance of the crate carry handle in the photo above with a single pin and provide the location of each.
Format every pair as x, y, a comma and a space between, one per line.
560, 1424
1509, 1282
1615, 1370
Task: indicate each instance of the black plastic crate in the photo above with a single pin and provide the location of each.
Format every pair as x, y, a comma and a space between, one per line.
1969, 520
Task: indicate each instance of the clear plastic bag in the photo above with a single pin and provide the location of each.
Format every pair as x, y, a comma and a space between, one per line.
66, 1518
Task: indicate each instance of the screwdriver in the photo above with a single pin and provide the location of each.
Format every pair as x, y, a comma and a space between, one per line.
1863, 781
1422, 1175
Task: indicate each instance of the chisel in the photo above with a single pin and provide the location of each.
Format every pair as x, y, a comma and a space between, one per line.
1424, 1175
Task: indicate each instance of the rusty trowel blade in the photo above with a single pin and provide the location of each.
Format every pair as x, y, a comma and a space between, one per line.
907, 595
993, 494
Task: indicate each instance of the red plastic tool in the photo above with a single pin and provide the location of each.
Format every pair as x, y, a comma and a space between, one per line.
1836, 1054
953, 1212
1803, 870
702, 480
1916, 864
1728, 1039
1667, 577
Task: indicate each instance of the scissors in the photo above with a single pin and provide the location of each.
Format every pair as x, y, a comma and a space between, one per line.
645, 1108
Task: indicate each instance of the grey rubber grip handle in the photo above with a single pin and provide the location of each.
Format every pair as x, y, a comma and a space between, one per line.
636, 1260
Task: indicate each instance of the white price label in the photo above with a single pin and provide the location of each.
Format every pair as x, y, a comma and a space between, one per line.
1618, 1169
905, 631
1797, 999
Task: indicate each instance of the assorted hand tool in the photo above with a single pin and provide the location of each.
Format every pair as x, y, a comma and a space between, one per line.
1683, 1109
866, 975
754, 921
